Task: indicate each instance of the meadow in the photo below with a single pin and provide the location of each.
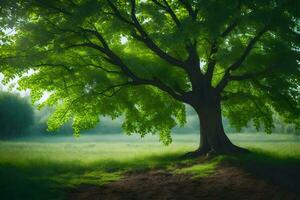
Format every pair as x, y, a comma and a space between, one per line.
48, 167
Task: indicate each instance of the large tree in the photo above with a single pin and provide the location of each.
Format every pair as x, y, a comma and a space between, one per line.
145, 59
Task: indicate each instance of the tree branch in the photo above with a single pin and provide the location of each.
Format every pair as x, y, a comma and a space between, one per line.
245, 96
266, 71
157, 83
118, 14
239, 94
144, 37
211, 61
247, 50
114, 59
54, 65
119, 86
191, 65
169, 10
65, 66
93, 93
86, 44
222, 84
214, 49
229, 29
98, 36
193, 13
49, 6
117, 61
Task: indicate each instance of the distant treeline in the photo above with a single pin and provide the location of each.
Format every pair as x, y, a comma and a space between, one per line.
16, 116
19, 118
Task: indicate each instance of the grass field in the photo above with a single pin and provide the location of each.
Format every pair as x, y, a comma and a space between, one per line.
47, 167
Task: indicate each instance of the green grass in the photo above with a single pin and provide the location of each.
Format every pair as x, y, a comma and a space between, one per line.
45, 168
201, 170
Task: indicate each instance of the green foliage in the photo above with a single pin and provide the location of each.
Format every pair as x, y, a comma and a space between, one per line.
16, 115
73, 49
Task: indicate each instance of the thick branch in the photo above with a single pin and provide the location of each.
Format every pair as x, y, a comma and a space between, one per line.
211, 61
191, 65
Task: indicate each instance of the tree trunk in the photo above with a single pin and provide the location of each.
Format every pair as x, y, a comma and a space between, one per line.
212, 136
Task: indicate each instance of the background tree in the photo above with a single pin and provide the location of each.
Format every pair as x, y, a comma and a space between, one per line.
143, 59
16, 115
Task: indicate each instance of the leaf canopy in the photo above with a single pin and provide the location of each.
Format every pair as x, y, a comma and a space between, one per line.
138, 59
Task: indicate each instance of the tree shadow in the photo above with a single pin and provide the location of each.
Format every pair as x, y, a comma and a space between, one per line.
15, 184
279, 170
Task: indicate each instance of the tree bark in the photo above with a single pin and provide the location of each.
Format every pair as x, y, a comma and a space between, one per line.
212, 135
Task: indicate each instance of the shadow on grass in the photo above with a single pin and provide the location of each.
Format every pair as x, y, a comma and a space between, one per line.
41, 179
280, 170
16, 183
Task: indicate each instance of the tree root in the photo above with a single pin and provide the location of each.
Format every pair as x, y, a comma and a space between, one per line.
198, 153
231, 150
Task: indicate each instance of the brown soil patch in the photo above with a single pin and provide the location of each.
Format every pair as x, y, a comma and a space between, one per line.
229, 182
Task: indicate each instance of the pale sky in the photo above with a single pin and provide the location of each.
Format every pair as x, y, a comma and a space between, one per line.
14, 85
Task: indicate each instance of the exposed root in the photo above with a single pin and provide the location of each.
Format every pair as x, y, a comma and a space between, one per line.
198, 153
229, 150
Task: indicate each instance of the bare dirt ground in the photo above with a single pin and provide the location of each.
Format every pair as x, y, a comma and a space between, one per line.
228, 182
